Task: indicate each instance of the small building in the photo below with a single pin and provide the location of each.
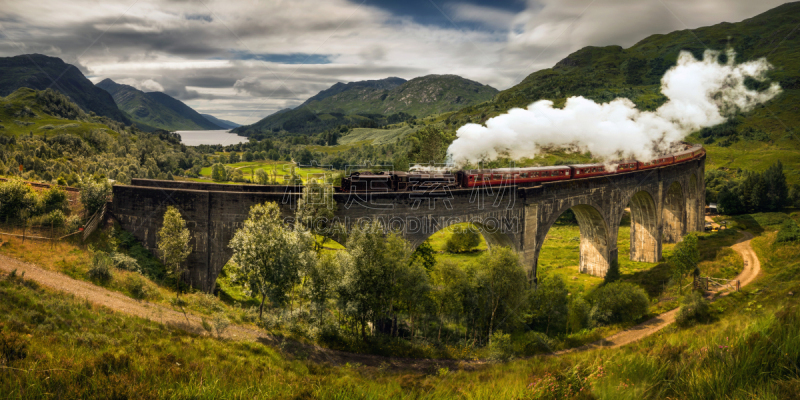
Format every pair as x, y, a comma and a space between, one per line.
711, 209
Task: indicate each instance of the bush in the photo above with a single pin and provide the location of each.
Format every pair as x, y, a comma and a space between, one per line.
694, 308
100, 270
15, 196
536, 343
54, 199
73, 223
789, 232
123, 262
501, 347
578, 314
139, 288
618, 302
94, 196
463, 239
12, 347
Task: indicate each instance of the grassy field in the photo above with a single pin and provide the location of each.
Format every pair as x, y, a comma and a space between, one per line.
280, 169
377, 136
81, 351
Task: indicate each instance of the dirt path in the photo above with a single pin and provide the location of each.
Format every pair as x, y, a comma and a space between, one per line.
193, 323
752, 267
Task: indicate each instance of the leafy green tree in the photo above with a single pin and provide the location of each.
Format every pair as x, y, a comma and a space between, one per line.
463, 239
547, 305
315, 210
270, 257
15, 196
504, 280
578, 314
449, 282
173, 245
218, 173
368, 288
234, 158
428, 144
94, 195
322, 280
618, 302
424, 254
777, 188
222, 159
262, 178
684, 258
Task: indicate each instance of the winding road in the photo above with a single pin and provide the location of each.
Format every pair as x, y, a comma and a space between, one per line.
193, 323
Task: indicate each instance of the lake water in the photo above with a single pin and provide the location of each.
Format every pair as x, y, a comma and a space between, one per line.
194, 138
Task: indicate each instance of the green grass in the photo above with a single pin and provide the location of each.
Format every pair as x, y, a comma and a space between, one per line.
15, 123
377, 136
281, 169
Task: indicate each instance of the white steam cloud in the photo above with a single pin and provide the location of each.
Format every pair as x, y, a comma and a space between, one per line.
700, 94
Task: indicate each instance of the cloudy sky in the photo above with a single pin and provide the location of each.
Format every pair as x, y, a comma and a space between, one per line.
244, 59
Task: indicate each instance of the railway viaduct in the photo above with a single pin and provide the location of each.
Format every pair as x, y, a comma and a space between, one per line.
665, 203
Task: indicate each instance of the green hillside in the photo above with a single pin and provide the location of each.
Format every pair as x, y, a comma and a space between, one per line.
44, 113
36, 71
371, 104
604, 73
223, 123
155, 109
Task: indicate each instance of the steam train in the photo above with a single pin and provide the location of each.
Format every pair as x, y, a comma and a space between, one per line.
442, 179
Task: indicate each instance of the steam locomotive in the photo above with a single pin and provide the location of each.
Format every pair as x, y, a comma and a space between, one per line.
443, 179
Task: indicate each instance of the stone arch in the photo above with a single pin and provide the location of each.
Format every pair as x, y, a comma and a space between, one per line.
595, 249
645, 245
493, 235
673, 214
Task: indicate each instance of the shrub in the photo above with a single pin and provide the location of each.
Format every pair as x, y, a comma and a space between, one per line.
221, 323
124, 262
12, 347
94, 196
100, 270
789, 232
463, 239
16, 196
694, 308
139, 288
536, 343
501, 347
618, 302
578, 314
54, 199
73, 223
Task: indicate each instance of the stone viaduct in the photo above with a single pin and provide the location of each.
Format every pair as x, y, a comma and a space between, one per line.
665, 203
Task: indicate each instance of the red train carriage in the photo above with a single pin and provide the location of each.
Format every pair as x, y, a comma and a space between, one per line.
511, 176
658, 162
626, 166
586, 170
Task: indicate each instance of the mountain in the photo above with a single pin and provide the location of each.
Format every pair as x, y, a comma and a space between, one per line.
750, 141
225, 124
155, 108
37, 71
374, 103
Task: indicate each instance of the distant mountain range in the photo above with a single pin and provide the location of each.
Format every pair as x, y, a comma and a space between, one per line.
39, 72
374, 102
221, 122
156, 109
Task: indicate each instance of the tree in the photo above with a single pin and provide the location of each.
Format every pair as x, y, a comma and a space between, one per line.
578, 314
368, 287
424, 254
684, 258
270, 257
94, 196
547, 305
262, 178
428, 144
448, 281
315, 210
618, 302
777, 188
218, 173
504, 280
322, 280
173, 244
463, 239
234, 158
